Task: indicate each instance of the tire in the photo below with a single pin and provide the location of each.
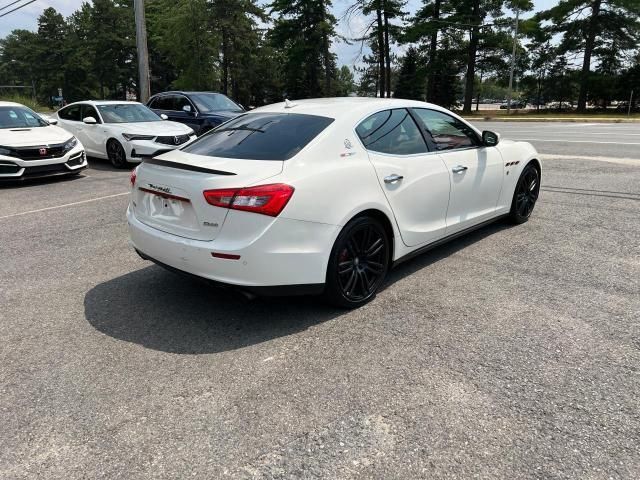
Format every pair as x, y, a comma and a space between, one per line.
525, 195
117, 155
358, 263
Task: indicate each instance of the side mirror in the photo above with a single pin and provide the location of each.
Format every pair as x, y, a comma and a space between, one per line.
163, 116
52, 121
89, 120
490, 139
187, 108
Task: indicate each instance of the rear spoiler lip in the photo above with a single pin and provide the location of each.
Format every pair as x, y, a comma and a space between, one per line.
183, 166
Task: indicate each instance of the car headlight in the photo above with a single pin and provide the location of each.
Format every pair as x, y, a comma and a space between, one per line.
135, 136
191, 133
70, 145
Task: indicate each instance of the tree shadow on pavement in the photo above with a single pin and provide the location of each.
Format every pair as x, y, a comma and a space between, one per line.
164, 311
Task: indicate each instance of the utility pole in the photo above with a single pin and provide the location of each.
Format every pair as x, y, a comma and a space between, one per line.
630, 103
143, 53
513, 60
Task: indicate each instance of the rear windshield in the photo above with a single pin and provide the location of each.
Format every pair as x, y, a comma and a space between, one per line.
260, 136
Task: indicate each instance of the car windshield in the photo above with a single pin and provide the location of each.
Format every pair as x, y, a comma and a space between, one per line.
210, 102
20, 117
127, 113
260, 136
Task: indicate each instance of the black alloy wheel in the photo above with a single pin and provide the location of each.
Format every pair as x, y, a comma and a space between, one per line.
358, 264
116, 154
526, 194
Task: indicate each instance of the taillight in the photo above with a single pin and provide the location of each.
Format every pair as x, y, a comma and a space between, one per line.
132, 178
264, 199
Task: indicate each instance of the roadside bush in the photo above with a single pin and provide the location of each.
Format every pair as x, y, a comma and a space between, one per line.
24, 100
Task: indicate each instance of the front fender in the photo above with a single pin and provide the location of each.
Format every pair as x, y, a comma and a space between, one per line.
516, 156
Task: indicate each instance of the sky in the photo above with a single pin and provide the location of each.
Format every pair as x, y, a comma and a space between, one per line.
27, 18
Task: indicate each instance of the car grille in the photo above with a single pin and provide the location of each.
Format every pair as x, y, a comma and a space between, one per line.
35, 153
42, 170
173, 140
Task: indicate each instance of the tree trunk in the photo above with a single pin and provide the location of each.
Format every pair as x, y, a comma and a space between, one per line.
471, 62
588, 51
387, 53
225, 63
431, 83
381, 50
326, 54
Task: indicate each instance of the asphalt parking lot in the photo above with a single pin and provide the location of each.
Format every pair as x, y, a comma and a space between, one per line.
510, 353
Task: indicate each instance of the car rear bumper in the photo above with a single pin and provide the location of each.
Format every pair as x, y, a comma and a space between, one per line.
289, 253
12, 169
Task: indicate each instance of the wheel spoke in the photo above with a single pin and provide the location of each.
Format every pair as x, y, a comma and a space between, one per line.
366, 284
345, 267
375, 267
350, 283
375, 248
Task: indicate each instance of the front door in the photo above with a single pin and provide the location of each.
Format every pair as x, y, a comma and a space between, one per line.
475, 170
415, 182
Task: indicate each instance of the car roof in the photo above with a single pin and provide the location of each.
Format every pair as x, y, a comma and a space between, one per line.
185, 92
105, 102
344, 106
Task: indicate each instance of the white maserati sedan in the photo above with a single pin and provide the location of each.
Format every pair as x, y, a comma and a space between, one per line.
32, 147
325, 196
121, 131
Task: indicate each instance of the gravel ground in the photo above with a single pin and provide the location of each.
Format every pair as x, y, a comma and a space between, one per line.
510, 353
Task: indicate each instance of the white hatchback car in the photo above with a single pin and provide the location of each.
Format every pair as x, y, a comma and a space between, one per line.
31, 146
325, 195
122, 131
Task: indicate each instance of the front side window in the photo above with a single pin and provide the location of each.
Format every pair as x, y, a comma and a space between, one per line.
20, 117
260, 136
211, 102
70, 113
182, 102
447, 132
127, 113
392, 132
89, 111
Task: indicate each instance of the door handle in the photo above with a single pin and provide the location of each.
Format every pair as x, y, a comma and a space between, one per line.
393, 178
459, 169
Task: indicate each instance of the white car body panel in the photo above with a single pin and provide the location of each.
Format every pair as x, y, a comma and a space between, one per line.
39, 137
95, 136
335, 179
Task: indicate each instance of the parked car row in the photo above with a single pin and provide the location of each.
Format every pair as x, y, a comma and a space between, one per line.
122, 132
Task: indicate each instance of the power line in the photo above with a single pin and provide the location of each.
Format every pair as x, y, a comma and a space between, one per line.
17, 8
12, 3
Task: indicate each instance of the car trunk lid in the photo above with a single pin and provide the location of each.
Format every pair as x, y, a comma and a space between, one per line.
168, 192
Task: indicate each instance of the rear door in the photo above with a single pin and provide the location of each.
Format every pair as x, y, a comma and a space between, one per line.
415, 182
475, 170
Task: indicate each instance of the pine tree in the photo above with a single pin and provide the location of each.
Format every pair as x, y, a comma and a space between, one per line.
588, 25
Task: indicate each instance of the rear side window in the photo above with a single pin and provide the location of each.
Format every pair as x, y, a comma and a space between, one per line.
260, 136
393, 132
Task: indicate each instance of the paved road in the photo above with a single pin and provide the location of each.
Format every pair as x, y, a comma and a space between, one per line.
511, 353
606, 139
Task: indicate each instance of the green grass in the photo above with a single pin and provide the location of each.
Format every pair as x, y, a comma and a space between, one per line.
26, 101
